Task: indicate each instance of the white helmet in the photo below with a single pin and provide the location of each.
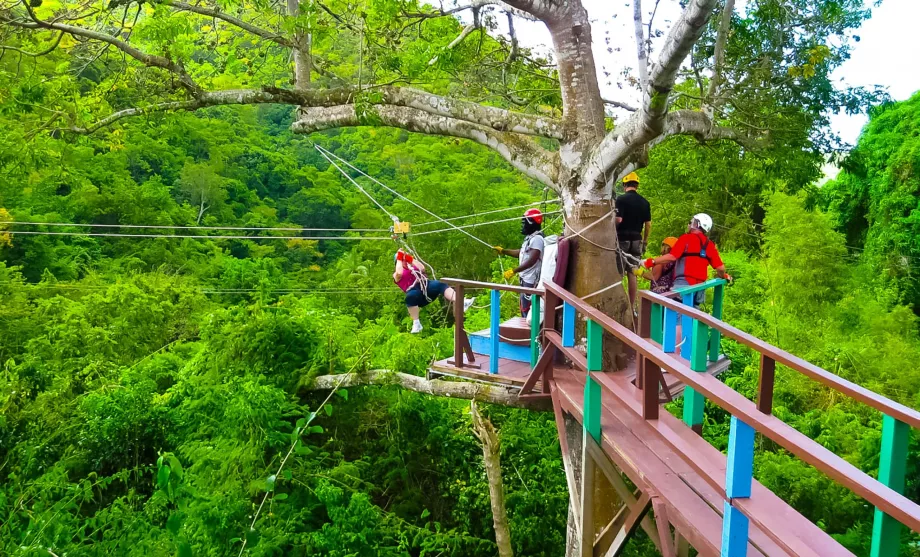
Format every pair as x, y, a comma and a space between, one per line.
704, 220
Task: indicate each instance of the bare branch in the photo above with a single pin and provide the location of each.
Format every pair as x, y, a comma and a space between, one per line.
703, 128
236, 22
48, 50
475, 5
463, 34
523, 153
640, 46
719, 54
618, 104
491, 394
644, 125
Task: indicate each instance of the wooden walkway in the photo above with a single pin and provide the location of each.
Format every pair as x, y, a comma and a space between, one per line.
629, 464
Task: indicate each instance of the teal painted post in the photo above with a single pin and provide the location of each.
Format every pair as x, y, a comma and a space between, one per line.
655, 323
495, 316
686, 328
595, 346
534, 330
568, 325
886, 531
739, 469
592, 409
669, 344
715, 337
694, 401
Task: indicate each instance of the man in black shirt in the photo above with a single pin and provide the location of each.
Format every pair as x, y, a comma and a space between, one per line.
634, 223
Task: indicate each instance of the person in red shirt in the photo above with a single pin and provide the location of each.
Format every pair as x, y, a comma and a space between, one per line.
693, 253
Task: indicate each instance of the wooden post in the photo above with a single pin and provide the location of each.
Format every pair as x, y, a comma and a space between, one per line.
886, 531
739, 470
686, 328
595, 346
458, 327
495, 317
568, 325
715, 337
694, 401
645, 318
651, 376
591, 424
549, 312
669, 343
656, 323
534, 330
765, 387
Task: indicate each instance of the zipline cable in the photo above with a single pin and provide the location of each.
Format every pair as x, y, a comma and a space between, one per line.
483, 213
199, 236
356, 184
180, 227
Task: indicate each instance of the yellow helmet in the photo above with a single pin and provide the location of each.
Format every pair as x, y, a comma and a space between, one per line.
631, 177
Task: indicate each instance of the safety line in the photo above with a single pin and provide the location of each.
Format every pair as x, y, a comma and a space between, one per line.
180, 227
350, 179
464, 226
326, 154
535, 203
198, 236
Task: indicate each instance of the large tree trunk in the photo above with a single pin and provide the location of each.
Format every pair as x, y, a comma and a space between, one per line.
491, 449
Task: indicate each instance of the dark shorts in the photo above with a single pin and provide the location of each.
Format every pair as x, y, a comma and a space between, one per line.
415, 297
633, 248
525, 298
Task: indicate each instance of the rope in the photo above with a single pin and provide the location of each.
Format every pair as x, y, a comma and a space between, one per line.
199, 236
461, 227
350, 179
178, 227
483, 213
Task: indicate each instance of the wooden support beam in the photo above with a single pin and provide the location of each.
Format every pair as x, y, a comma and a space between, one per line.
636, 513
715, 337
495, 317
567, 461
568, 325
595, 346
550, 300
534, 330
693, 400
458, 327
539, 370
734, 532
645, 318
765, 386
664, 527
886, 531
587, 500
739, 466
651, 378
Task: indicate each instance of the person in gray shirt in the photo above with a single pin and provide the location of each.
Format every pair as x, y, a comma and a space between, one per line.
530, 256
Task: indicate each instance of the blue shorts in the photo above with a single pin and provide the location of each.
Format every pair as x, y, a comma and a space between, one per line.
415, 297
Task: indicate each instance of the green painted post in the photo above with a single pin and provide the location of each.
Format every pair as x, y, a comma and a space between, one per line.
656, 323
595, 346
715, 337
886, 531
694, 401
592, 409
534, 330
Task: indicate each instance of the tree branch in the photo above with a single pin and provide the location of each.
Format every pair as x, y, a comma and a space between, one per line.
640, 46
480, 392
719, 54
523, 153
703, 128
475, 5
48, 50
647, 123
463, 34
236, 22
618, 104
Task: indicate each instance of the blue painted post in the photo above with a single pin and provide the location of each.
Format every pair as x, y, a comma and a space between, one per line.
568, 325
886, 531
739, 470
734, 532
686, 326
495, 317
670, 330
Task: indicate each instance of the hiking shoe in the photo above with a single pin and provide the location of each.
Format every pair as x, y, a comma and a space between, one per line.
416, 327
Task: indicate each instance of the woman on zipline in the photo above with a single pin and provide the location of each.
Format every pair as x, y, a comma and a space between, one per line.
410, 276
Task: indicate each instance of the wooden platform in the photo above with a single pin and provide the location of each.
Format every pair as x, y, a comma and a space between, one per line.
666, 458
514, 373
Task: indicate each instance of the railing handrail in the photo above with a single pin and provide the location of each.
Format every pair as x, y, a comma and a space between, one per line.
711, 283
491, 286
811, 452
886, 406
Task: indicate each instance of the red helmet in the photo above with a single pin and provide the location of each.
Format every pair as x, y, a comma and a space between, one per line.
534, 215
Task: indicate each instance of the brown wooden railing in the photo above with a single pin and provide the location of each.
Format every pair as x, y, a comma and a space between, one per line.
747, 416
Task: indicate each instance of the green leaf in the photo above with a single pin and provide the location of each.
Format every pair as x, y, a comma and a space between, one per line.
175, 467
163, 478
302, 449
426, 513
281, 496
328, 408
287, 474
316, 429
235, 540
270, 483
183, 549
342, 393
174, 523
252, 538
301, 423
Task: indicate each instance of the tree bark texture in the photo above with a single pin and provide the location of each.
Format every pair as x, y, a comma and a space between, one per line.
491, 461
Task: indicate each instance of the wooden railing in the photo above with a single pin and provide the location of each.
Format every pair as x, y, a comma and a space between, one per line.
461, 339
896, 422
747, 417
